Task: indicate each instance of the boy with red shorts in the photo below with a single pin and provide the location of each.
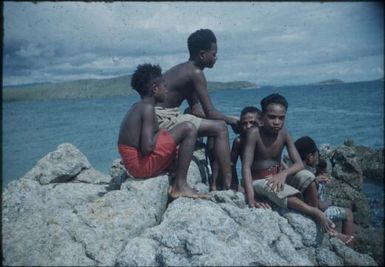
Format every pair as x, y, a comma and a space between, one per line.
148, 151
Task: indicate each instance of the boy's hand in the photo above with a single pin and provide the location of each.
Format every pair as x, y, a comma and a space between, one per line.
255, 204
235, 124
323, 179
276, 182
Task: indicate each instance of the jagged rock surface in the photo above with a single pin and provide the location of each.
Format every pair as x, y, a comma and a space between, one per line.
63, 213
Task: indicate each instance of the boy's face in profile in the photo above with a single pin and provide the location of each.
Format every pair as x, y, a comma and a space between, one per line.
274, 117
248, 120
210, 56
160, 92
312, 159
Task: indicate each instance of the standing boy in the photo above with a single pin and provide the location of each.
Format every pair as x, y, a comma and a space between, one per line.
308, 178
261, 163
250, 117
186, 81
146, 150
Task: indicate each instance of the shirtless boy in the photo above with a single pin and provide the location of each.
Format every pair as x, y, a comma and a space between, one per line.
146, 150
308, 178
261, 162
186, 81
250, 117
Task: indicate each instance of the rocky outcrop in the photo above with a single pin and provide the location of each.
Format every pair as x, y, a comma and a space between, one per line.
349, 166
65, 213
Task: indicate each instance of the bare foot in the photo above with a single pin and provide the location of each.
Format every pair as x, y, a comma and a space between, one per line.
174, 193
347, 239
325, 223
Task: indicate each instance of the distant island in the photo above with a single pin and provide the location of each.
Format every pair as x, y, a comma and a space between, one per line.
332, 81
119, 86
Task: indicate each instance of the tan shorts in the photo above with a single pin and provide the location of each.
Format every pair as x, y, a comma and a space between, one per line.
301, 180
280, 198
170, 117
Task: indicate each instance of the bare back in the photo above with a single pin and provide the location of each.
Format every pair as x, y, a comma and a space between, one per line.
180, 85
133, 123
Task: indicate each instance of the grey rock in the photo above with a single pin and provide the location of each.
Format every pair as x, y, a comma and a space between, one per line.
61, 165
346, 167
81, 223
201, 232
351, 257
326, 257
92, 176
306, 227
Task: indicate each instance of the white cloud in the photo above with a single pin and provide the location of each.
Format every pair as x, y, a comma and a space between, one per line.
267, 42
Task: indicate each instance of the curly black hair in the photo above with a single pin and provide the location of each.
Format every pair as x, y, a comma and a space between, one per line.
305, 146
250, 109
143, 76
200, 40
273, 98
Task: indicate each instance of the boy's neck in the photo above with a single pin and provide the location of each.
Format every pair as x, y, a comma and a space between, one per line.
196, 62
267, 133
148, 100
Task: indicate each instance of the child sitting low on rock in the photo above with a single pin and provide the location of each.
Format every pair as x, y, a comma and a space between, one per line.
313, 177
148, 151
250, 117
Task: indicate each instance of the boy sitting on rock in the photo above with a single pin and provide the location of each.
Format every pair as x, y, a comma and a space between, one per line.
146, 150
186, 81
261, 163
309, 179
250, 117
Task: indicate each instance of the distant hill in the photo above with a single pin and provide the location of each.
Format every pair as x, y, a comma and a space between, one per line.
72, 89
214, 86
332, 81
119, 86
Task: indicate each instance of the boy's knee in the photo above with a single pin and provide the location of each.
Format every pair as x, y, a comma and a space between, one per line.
190, 128
221, 126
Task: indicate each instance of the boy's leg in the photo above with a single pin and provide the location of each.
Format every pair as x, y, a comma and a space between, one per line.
185, 134
346, 216
213, 164
310, 195
294, 202
218, 130
347, 224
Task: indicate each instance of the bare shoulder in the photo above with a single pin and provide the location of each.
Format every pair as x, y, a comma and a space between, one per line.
252, 134
253, 131
284, 133
185, 67
144, 108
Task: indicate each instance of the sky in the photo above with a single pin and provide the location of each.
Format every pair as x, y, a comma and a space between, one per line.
267, 43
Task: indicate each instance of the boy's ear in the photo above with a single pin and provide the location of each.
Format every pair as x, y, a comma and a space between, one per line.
154, 88
201, 54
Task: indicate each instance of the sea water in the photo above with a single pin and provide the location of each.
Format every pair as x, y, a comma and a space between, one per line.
328, 113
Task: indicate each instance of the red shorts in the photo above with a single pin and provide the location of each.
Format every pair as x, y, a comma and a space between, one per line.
152, 164
261, 174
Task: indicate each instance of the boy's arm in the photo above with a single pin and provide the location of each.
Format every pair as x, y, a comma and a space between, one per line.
196, 108
294, 156
277, 181
147, 136
200, 85
247, 161
235, 150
